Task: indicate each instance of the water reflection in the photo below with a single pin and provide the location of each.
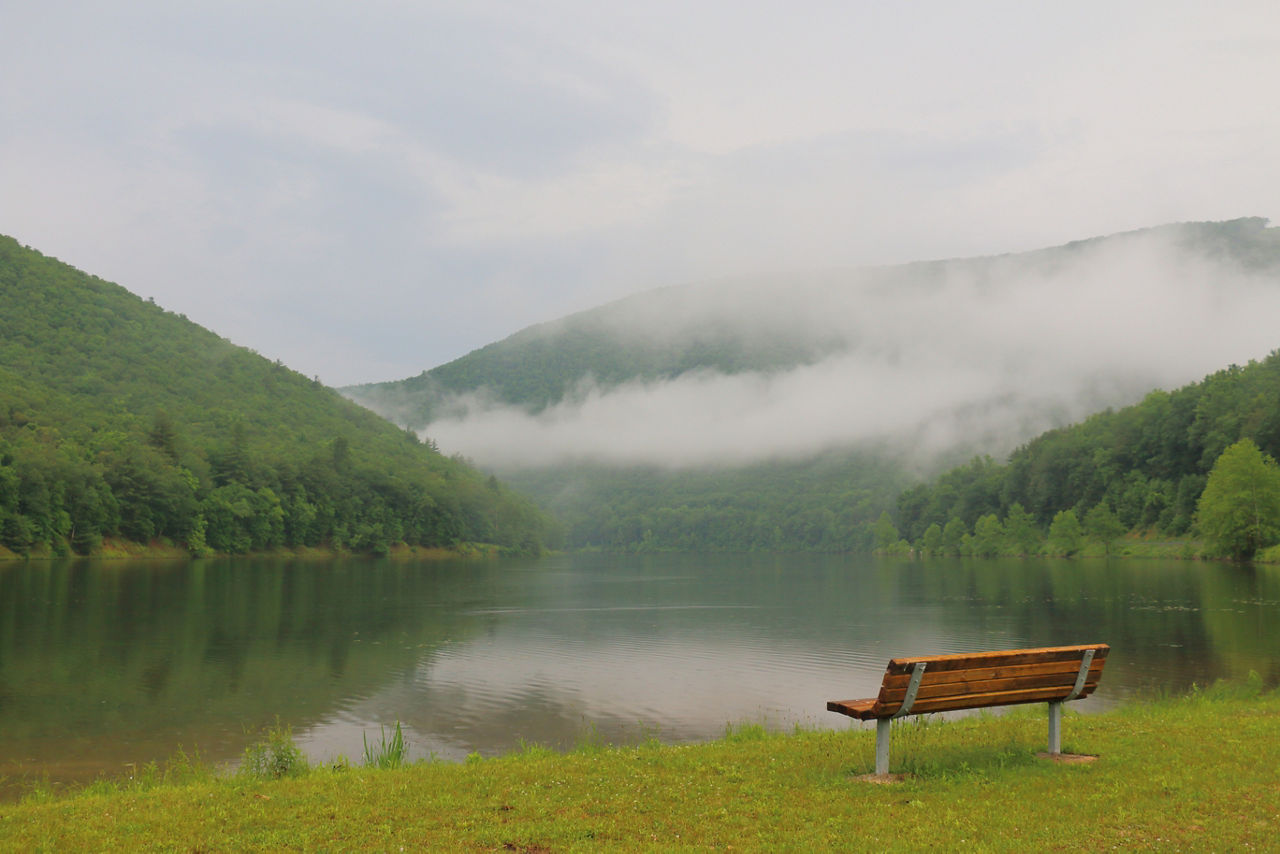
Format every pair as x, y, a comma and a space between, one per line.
105, 664
108, 664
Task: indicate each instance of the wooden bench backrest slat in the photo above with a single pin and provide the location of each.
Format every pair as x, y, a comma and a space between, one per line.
987, 686
979, 680
964, 661
938, 677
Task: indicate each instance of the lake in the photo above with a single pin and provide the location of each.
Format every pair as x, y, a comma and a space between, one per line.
105, 666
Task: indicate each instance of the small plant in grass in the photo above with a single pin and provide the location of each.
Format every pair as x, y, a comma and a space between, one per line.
146, 776
649, 735
533, 748
275, 756
386, 752
181, 769
38, 791
745, 732
590, 740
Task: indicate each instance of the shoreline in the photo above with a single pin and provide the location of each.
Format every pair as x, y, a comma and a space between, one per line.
124, 550
1189, 773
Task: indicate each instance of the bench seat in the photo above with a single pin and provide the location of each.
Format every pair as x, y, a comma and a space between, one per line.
945, 683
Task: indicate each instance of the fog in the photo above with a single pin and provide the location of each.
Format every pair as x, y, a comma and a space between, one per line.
362, 190
981, 355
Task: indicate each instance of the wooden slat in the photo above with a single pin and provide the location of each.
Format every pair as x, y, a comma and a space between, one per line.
1067, 668
852, 708
870, 709
860, 709
979, 680
987, 686
864, 711
1008, 698
964, 661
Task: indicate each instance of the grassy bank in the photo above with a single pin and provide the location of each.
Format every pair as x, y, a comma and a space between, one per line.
1197, 773
1144, 545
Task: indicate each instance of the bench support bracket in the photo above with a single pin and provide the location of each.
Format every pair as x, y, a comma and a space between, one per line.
883, 724
913, 688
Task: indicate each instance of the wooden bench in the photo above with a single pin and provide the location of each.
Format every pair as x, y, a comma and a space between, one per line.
944, 683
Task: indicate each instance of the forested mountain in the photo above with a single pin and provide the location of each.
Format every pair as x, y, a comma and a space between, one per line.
119, 419
788, 412
773, 324
1145, 466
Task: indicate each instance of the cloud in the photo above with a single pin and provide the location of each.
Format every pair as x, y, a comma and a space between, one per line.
427, 177
981, 355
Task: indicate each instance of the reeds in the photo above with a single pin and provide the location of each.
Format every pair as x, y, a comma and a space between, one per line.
386, 752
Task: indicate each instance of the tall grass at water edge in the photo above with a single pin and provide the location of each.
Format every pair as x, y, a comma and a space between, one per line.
386, 753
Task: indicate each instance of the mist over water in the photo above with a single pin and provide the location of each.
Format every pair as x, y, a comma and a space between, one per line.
978, 354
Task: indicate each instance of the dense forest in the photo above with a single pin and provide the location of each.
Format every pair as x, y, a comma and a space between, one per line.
121, 420
1143, 467
829, 503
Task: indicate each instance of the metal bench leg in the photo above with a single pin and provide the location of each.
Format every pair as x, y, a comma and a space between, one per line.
1055, 706
882, 745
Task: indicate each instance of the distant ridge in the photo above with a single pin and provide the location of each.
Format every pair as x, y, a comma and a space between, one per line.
740, 325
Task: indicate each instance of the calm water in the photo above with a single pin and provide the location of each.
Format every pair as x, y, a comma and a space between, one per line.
107, 664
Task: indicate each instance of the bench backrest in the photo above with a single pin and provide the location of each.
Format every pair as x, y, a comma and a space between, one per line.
978, 680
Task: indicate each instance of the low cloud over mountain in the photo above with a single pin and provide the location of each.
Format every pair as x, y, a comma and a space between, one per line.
981, 353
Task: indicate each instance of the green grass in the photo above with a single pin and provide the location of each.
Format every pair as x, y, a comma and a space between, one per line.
1196, 773
386, 753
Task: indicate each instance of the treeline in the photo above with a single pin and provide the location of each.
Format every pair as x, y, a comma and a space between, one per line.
119, 419
1143, 467
826, 504
1015, 535
65, 496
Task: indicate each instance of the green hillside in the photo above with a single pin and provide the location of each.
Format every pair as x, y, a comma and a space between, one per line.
651, 336
1144, 465
119, 419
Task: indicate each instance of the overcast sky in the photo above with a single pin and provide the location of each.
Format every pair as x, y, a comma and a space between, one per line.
365, 190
